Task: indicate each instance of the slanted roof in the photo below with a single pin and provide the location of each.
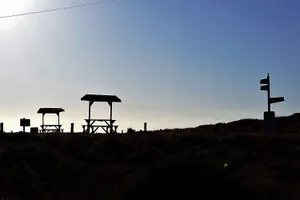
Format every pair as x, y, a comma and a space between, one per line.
100, 98
50, 110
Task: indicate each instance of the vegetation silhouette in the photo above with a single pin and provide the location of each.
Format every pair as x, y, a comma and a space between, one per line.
189, 180
165, 163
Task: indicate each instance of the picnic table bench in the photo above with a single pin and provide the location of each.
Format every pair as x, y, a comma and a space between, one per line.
51, 128
105, 126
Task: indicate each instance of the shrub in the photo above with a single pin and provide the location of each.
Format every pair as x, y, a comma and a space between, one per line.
130, 130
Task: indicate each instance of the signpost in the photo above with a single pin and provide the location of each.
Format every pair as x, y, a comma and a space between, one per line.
269, 116
24, 122
276, 99
266, 87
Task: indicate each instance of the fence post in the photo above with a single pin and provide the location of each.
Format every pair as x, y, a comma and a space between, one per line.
72, 128
1, 129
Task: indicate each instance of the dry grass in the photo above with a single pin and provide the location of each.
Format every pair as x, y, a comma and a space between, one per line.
166, 164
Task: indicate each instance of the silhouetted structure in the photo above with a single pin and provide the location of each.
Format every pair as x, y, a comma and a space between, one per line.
72, 128
24, 122
269, 116
51, 128
270, 122
34, 130
267, 87
1, 129
145, 127
109, 126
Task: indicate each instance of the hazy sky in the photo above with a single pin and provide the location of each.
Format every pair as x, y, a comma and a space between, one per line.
174, 63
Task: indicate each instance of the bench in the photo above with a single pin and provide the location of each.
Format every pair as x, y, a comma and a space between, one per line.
96, 127
107, 121
99, 120
52, 130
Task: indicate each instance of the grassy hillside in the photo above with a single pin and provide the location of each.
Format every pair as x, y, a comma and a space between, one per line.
131, 166
181, 163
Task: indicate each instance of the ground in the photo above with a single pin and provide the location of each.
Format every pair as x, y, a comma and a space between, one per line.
147, 166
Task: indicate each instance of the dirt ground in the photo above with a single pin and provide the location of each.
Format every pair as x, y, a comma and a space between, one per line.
148, 166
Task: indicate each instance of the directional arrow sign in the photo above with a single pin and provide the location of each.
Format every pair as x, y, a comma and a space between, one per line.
264, 81
276, 99
264, 87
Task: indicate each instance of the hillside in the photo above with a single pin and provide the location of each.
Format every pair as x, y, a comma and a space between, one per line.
285, 125
187, 163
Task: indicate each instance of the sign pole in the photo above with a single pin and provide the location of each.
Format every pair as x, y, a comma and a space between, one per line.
269, 93
24, 122
269, 116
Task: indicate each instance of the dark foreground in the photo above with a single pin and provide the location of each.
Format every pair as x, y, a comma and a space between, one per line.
150, 166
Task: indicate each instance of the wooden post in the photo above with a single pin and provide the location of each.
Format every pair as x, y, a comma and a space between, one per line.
43, 116
58, 121
89, 120
23, 125
269, 93
145, 127
72, 128
111, 123
1, 129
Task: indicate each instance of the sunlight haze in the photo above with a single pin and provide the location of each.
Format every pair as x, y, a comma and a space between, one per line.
173, 64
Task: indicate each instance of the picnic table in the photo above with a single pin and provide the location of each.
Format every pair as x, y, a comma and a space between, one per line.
93, 125
51, 128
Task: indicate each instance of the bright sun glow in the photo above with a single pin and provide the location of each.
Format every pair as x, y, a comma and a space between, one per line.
11, 7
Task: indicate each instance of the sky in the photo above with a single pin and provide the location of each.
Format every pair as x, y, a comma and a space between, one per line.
174, 64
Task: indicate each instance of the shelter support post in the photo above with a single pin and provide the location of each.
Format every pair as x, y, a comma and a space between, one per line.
89, 121
58, 122
110, 117
43, 122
